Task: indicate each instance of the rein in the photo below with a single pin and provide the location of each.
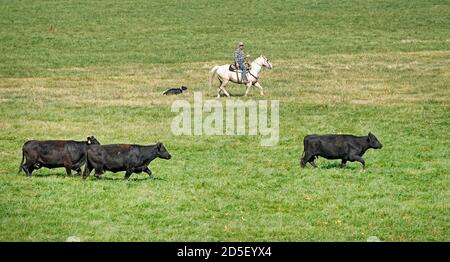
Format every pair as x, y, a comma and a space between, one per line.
261, 65
249, 72
253, 75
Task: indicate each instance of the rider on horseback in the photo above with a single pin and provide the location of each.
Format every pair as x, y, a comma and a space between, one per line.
239, 59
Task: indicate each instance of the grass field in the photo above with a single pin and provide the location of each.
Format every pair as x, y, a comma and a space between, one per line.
69, 69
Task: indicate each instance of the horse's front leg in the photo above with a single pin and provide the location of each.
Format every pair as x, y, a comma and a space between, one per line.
247, 88
260, 88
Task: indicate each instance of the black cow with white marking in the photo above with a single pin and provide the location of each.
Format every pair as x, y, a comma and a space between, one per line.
123, 157
55, 153
345, 147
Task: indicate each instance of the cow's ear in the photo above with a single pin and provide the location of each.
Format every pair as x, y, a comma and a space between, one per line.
158, 145
369, 137
89, 141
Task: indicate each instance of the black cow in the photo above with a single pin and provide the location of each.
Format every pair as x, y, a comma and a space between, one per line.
175, 91
345, 147
55, 153
123, 157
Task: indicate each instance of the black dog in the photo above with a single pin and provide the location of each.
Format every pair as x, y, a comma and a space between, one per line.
175, 91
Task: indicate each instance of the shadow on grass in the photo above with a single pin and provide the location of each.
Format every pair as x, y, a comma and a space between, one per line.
231, 95
60, 175
337, 165
334, 165
132, 178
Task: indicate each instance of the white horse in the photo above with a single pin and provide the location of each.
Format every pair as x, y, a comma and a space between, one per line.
225, 75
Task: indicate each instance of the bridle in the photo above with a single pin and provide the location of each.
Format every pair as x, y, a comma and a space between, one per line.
265, 60
261, 65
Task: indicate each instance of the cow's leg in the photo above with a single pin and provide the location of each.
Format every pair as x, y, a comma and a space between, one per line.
25, 169
312, 159
359, 159
29, 166
343, 162
87, 170
302, 163
78, 171
308, 158
68, 165
149, 172
68, 171
77, 167
303, 160
127, 174
98, 173
37, 165
28, 169
260, 88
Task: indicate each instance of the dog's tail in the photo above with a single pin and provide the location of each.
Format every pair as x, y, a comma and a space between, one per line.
212, 73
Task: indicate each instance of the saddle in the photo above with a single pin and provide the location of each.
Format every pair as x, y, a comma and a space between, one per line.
233, 67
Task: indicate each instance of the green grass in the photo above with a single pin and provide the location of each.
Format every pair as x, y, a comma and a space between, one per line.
69, 69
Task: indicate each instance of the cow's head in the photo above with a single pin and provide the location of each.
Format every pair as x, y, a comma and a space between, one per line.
162, 151
91, 140
373, 141
184, 88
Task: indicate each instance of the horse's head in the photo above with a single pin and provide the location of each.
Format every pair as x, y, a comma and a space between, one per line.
263, 61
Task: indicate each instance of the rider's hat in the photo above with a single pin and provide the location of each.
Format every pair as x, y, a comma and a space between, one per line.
241, 43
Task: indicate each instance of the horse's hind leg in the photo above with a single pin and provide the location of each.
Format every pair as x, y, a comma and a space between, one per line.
222, 88
219, 90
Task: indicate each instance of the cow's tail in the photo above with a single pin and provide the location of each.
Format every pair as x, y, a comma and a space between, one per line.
21, 162
302, 164
86, 164
212, 73
303, 154
304, 146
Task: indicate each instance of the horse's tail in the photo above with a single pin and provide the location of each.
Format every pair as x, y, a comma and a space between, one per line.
212, 73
